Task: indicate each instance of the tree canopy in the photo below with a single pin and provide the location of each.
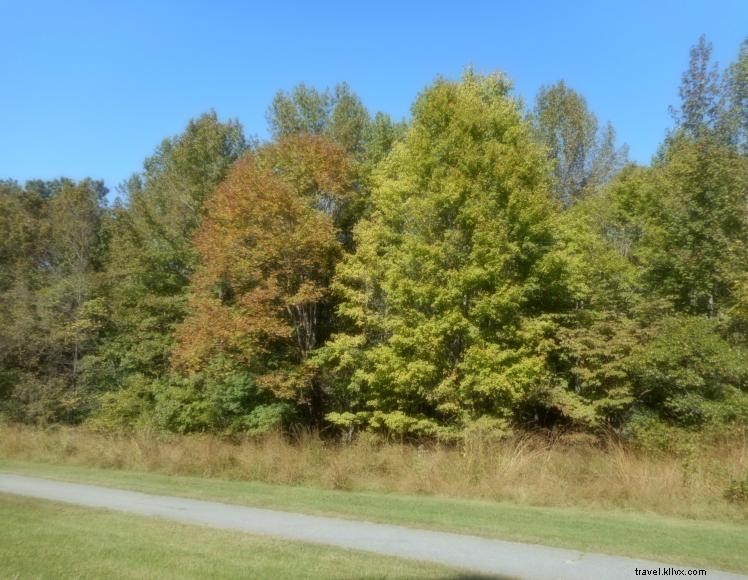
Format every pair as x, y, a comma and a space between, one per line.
481, 266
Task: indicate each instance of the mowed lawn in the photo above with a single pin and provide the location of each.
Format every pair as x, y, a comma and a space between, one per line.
40, 539
715, 544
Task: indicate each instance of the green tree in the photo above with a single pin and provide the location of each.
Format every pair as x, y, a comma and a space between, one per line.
694, 237
701, 106
382, 135
50, 301
735, 111
338, 114
339, 117
152, 256
600, 235
688, 375
660, 256
444, 289
583, 156
20, 249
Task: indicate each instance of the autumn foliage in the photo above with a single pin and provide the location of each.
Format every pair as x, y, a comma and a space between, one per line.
260, 298
480, 268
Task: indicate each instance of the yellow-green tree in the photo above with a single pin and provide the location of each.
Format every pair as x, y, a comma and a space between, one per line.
453, 275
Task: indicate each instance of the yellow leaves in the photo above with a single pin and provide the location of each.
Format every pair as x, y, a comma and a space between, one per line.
285, 385
307, 293
90, 318
401, 424
740, 293
347, 419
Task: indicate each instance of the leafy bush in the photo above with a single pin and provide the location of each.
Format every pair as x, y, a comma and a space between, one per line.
650, 433
126, 408
219, 399
266, 418
737, 491
689, 375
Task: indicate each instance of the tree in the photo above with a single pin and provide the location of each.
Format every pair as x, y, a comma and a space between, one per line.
50, 299
660, 256
594, 340
700, 107
259, 295
338, 115
693, 247
152, 257
689, 375
735, 110
349, 121
382, 135
444, 288
583, 156
21, 248
321, 171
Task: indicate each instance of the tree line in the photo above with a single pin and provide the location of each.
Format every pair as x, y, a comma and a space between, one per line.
482, 266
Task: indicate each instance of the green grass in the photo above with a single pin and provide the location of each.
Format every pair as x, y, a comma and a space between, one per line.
40, 539
716, 544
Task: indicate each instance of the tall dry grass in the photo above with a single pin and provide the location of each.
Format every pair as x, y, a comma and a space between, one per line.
529, 469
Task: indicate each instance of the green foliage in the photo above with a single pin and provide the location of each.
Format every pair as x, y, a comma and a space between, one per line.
689, 374
735, 118
737, 491
51, 310
593, 352
658, 253
651, 434
219, 399
268, 418
700, 108
444, 285
583, 156
694, 232
478, 269
152, 256
381, 136
714, 103
128, 407
337, 114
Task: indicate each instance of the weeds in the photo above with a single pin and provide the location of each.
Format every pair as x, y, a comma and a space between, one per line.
527, 469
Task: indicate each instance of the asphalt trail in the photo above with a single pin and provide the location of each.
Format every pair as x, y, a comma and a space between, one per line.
470, 553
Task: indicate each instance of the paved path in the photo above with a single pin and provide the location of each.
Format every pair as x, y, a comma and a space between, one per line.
495, 557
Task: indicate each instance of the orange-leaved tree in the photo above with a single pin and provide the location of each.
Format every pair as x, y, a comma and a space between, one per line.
267, 251
322, 172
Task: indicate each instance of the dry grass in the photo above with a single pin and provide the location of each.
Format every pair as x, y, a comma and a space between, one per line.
530, 469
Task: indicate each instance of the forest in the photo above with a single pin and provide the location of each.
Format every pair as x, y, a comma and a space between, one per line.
485, 266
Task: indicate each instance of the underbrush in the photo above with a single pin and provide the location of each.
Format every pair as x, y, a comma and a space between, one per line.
531, 469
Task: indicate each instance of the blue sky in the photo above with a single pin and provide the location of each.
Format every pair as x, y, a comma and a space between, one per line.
90, 88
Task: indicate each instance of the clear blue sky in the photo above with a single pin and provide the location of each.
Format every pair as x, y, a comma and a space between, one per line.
90, 88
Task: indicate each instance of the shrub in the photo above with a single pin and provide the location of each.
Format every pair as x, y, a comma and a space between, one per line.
689, 375
737, 491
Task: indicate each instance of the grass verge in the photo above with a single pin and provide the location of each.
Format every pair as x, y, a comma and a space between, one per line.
549, 470
716, 544
40, 539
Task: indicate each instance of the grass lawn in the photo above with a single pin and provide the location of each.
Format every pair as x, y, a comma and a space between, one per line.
40, 539
714, 544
